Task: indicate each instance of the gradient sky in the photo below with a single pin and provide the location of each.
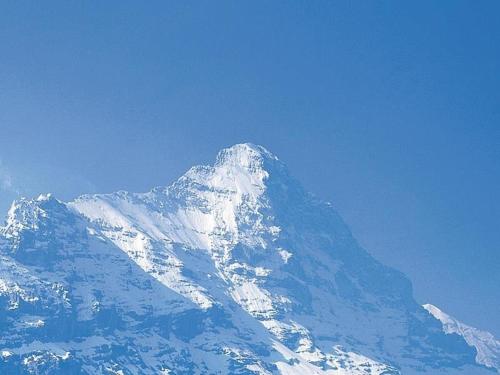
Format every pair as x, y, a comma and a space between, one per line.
390, 110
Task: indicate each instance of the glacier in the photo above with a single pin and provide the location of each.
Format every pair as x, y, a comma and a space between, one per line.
232, 269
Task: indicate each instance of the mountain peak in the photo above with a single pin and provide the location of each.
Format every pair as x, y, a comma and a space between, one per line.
26, 213
247, 156
243, 168
244, 153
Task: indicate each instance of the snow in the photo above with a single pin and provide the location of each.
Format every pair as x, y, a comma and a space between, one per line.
253, 299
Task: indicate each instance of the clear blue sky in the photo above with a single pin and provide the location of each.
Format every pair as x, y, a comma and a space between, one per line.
390, 110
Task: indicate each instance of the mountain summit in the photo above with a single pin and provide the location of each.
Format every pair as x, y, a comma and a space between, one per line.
232, 269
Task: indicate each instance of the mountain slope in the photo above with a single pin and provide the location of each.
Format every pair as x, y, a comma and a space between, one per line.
487, 347
234, 268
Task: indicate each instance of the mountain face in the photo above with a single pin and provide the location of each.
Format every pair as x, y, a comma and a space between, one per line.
233, 269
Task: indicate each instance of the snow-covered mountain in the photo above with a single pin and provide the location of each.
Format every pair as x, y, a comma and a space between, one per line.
233, 269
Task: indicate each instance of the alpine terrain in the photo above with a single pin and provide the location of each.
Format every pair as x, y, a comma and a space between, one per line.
232, 269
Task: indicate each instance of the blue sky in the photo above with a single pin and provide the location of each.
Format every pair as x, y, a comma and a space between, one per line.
389, 110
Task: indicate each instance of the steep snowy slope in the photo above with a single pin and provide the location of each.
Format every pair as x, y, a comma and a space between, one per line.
488, 348
234, 268
72, 302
